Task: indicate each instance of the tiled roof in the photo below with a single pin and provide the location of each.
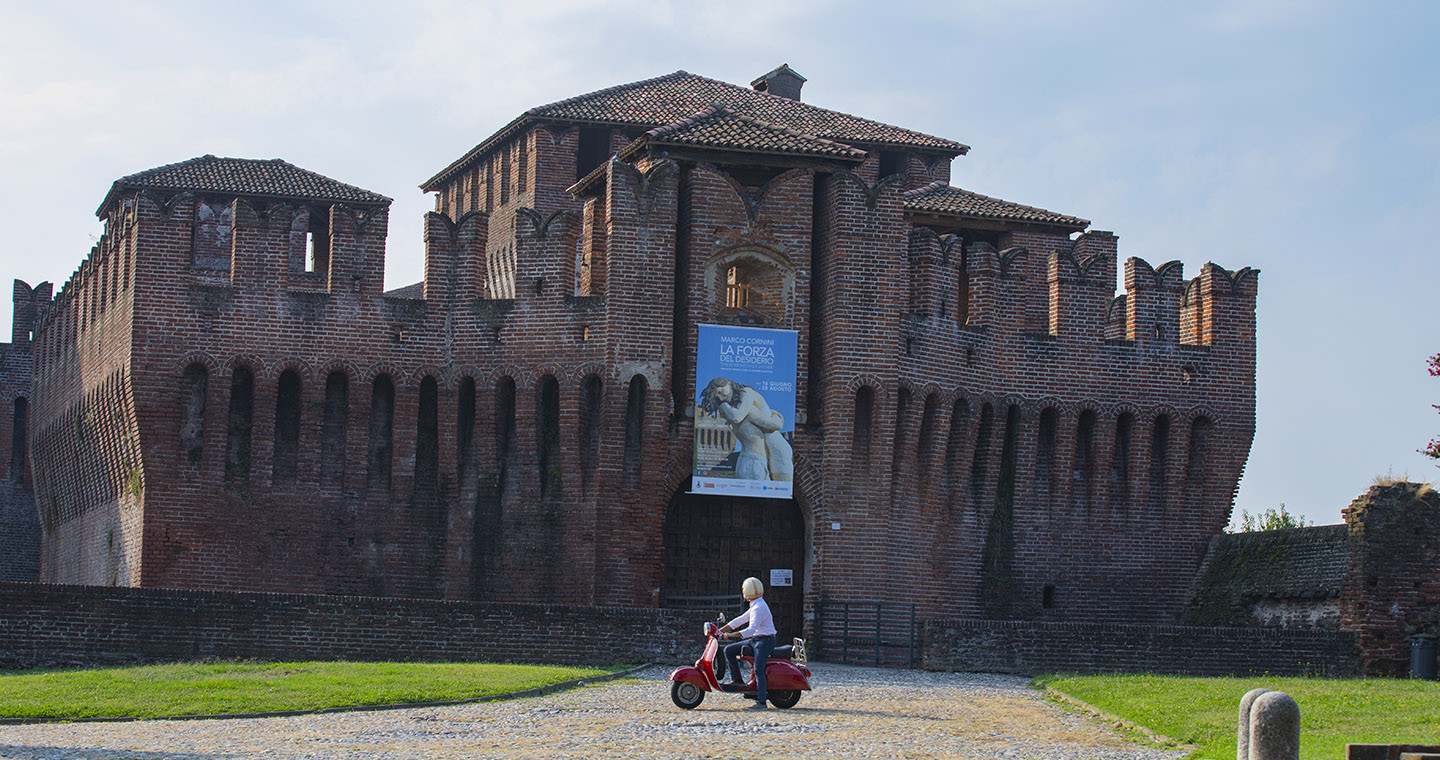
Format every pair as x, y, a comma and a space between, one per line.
1293, 563
670, 98
719, 127
244, 176
941, 198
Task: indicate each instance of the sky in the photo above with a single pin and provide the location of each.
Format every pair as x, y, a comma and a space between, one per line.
1300, 138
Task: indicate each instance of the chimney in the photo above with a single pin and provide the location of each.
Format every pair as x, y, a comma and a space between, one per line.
783, 81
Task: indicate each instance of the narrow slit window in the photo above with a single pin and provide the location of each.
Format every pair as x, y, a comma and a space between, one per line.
382, 431
287, 428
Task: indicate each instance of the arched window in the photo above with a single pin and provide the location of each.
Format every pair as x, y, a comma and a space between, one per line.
427, 438
287, 428
954, 447
237, 442
194, 386
548, 436
924, 444
635, 425
382, 432
864, 428
504, 430
1159, 461
1045, 454
591, 411
334, 429
1120, 464
465, 424
1197, 460
1084, 475
979, 468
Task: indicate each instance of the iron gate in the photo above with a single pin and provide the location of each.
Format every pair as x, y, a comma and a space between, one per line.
865, 633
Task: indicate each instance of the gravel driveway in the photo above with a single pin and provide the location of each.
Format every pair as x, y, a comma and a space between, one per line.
853, 713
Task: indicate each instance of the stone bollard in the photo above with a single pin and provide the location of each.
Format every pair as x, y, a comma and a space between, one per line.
1242, 735
1274, 727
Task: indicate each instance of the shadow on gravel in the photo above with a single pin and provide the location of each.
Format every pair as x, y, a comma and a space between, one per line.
95, 753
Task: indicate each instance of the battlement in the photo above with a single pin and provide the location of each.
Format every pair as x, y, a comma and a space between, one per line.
996, 290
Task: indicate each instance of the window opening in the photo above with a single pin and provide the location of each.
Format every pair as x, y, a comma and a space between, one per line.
382, 431
1159, 461
427, 438
333, 432
287, 428
591, 399
635, 425
737, 287
1120, 466
593, 149
1084, 474
465, 425
194, 386
237, 444
1045, 453
548, 443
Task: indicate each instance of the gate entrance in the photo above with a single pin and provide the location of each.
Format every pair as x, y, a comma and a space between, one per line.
712, 543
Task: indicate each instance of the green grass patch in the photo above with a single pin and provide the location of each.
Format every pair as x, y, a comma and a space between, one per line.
1204, 711
227, 688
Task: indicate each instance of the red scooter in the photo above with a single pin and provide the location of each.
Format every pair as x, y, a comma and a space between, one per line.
785, 675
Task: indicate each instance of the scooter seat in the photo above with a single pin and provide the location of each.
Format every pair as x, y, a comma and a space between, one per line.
782, 653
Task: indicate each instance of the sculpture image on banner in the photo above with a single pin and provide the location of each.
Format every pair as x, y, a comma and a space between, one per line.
745, 411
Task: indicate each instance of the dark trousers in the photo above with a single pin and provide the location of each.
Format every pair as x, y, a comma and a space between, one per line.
761, 647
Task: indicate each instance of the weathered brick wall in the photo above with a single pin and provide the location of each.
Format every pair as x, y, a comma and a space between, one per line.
46, 626
1392, 590
1029, 648
947, 505
19, 520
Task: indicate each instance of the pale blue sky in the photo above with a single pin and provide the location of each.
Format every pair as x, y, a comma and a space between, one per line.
1302, 138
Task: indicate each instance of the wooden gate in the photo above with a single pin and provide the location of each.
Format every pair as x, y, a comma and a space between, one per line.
712, 543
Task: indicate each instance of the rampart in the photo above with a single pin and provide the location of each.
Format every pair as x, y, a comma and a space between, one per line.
226, 397
50, 626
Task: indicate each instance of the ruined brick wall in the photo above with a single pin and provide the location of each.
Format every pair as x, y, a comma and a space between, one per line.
19, 520
1392, 589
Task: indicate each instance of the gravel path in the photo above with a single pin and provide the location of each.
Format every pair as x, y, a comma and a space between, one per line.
853, 713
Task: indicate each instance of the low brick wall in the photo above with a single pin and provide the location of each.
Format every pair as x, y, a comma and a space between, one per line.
1030, 648
48, 625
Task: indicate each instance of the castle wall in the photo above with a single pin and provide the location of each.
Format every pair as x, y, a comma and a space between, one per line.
19, 520
967, 408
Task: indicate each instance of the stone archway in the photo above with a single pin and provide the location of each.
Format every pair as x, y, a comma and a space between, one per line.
712, 543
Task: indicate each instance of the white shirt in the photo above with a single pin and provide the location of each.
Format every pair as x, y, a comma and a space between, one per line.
760, 623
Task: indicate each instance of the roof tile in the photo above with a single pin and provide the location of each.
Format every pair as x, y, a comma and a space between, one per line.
244, 176
941, 198
719, 127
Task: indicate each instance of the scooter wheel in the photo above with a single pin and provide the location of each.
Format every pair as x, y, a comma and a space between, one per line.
686, 695
784, 698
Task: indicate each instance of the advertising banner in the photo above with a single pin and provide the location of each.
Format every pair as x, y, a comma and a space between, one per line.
745, 411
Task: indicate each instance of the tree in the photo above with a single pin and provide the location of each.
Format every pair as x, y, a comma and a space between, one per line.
1433, 450
1271, 519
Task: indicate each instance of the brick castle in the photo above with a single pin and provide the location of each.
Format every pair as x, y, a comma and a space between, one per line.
225, 398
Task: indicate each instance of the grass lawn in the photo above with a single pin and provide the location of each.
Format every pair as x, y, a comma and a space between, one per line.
1203, 711
223, 688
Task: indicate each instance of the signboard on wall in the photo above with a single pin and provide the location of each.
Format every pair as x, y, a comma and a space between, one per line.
745, 411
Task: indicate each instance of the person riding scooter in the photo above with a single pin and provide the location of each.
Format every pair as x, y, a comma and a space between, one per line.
759, 633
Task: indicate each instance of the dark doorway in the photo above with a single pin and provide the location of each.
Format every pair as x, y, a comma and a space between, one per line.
713, 543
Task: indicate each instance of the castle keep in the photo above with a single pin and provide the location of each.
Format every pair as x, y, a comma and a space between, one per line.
225, 398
